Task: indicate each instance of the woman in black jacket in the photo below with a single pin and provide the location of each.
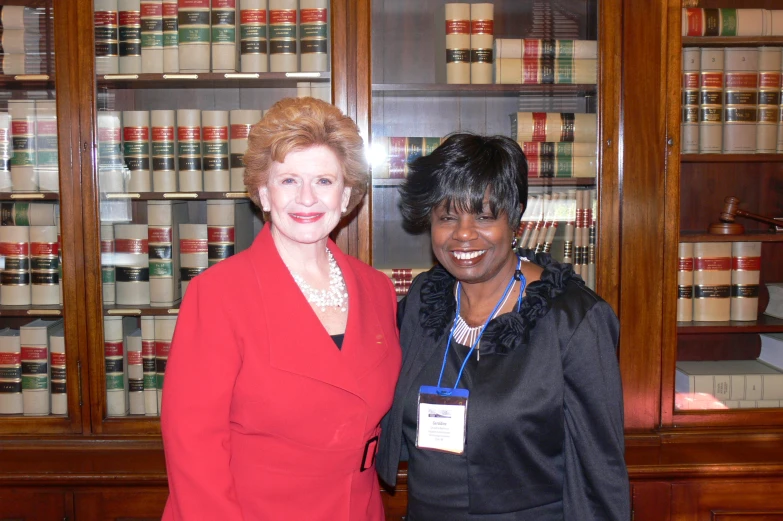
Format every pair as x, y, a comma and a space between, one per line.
509, 402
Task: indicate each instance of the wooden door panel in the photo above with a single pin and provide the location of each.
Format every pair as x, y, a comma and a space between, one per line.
739, 500
121, 504
31, 505
748, 516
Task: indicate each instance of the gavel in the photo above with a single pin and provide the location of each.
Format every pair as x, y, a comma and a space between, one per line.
731, 210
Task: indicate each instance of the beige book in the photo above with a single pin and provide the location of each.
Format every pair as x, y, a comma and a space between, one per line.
107, 47
164, 218
214, 135
131, 259
24, 176
457, 43
44, 266
135, 373
283, 48
194, 36
241, 121
711, 281
152, 36
745, 270
482, 37
11, 401
553, 126
164, 334
162, 150
189, 163
685, 282
193, 252
15, 277
740, 100
136, 149
313, 35
57, 367
148, 365
36, 374
769, 100
254, 43
711, 101
224, 36
689, 123
114, 355
130, 36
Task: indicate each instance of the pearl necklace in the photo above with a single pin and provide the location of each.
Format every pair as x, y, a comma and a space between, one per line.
334, 296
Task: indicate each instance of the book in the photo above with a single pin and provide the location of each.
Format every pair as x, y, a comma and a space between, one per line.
482, 31
224, 35
107, 47
724, 22
34, 342
12, 64
32, 19
131, 258
135, 373
745, 270
28, 214
11, 401
457, 43
164, 167
44, 266
391, 155
15, 276
557, 149
775, 305
5, 152
685, 282
229, 228
108, 273
164, 218
571, 167
57, 364
546, 48
136, 149
253, 42
114, 361
170, 36
130, 36
214, 133
689, 122
241, 121
402, 278
111, 177
570, 227
148, 365
46, 158
711, 281
189, 150
711, 101
152, 36
740, 99
23, 161
194, 35
553, 126
164, 334
769, 100
314, 35
545, 71
283, 48
20, 41
731, 379
193, 252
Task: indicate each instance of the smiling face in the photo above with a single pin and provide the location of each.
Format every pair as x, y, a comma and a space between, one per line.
305, 195
474, 248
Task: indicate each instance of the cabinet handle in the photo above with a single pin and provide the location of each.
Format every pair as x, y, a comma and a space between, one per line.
609, 143
670, 142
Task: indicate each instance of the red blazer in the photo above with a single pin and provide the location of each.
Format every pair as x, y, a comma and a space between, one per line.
263, 417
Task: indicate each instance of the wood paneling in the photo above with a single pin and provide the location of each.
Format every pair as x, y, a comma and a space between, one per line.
748, 500
128, 504
21, 504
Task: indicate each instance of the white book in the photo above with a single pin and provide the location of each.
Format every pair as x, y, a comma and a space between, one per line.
164, 334
189, 150
136, 149
731, 379
689, 123
194, 35
115, 360
11, 401
241, 121
148, 365
151, 36
57, 364
111, 176
44, 266
15, 276
740, 95
46, 164
193, 252
224, 36
253, 44
5, 152
164, 218
229, 228
135, 373
107, 48
283, 48
108, 273
23, 160
711, 101
164, 163
170, 36
313, 35
131, 259
769, 100
214, 133
482, 18
130, 36
34, 340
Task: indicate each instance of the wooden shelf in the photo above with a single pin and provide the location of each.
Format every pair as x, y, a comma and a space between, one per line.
31, 311
173, 196
765, 324
731, 158
33, 196
208, 80
532, 181
140, 311
450, 89
26, 81
745, 237
730, 41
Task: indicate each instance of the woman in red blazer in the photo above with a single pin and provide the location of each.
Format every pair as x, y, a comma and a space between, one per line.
285, 356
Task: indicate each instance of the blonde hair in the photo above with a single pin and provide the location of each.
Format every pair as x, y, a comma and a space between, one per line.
294, 124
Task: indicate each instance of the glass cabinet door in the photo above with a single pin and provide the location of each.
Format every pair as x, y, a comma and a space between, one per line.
178, 84
40, 387
527, 70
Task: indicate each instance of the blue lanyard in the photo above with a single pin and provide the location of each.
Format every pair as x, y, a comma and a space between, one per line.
522, 283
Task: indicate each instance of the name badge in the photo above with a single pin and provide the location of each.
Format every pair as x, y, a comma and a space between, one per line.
441, 422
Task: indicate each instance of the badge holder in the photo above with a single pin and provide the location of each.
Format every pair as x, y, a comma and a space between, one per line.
442, 414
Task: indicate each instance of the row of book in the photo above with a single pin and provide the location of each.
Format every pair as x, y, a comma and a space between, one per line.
733, 384
718, 281
26, 41
135, 358
32, 369
698, 21
28, 147
547, 62
470, 34
172, 36
731, 100
151, 264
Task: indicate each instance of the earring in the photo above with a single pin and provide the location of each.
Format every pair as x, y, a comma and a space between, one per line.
265, 209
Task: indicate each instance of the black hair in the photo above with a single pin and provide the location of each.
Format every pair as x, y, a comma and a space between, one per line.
458, 173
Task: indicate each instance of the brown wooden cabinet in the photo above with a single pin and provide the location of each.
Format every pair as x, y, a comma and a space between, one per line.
32, 504
138, 504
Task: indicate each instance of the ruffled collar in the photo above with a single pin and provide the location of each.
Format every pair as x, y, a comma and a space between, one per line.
506, 332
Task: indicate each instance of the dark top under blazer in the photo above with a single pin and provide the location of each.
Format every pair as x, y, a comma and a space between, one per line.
545, 420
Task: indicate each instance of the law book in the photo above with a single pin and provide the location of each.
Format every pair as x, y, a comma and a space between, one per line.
545, 48
193, 252
740, 99
152, 36
130, 36
752, 404
148, 365
482, 36
28, 214
170, 36
189, 150
131, 258
402, 278
570, 228
136, 149
592, 239
557, 149
775, 305
545, 71
253, 41
229, 228
711, 281
46, 158
163, 155
214, 133
111, 176
135, 373
689, 122
20, 41
724, 22
164, 218
570, 167
241, 121
57, 366
775, 22
23, 161
685, 282
15, 276
194, 35
11, 401
44, 266
224, 35
31, 19
321, 91
283, 48
394, 153
114, 357
12, 64
59, 258
529, 219
544, 242
5, 152
711, 101
164, 334
553, 126
731, 379
108, 272
769, 100
313, 35
745, 271
34, 341
107, 46
457, 43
